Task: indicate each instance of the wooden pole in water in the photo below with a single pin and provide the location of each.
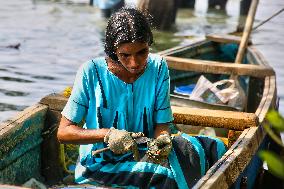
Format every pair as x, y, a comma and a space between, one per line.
247, 31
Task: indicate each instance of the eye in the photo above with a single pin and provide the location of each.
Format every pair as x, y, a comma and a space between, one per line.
124, 55
143, 51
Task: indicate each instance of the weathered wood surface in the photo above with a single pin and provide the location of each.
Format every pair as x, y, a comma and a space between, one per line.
247, 31
20, 140
214, 118
214, 67
54, 101
224, 38
2, 186
269, 92
194, 44
52, 169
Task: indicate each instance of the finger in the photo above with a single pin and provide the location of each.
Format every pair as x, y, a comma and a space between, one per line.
136, 135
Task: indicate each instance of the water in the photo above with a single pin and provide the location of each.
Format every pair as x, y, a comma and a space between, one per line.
56, 37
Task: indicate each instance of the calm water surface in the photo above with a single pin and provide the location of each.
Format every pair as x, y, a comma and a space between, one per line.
56, 37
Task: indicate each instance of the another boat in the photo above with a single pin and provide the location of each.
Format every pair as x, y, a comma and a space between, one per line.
29, 147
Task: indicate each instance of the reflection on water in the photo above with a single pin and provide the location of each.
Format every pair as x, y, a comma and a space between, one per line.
16, 79
11, 107
56, 37
13, 93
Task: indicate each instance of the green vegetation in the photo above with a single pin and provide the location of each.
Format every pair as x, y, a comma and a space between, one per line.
274, 161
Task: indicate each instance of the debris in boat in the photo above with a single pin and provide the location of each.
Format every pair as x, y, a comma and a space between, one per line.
34, 184
184, 90
224, 92
207, 131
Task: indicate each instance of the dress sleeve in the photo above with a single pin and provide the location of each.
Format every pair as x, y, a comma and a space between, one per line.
78, 102
162, 109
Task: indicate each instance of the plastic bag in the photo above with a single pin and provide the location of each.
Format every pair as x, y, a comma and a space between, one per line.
231, 94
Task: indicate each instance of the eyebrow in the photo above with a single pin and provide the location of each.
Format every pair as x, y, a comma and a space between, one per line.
124, 53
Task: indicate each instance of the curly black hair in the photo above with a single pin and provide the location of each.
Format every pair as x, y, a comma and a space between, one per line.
124, 26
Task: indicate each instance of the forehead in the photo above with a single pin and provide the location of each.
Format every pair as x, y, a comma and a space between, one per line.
132, 47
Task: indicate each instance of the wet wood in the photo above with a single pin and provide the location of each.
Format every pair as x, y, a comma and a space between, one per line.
214, 67
214, 118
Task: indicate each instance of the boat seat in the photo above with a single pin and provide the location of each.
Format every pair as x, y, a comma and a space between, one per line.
214, 118
214, 67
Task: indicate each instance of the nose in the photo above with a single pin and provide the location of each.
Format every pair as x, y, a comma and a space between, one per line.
133, 62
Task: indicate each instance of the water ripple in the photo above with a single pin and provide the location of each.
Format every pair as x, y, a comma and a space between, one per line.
44, 77
13, 93
9, 107
16, 79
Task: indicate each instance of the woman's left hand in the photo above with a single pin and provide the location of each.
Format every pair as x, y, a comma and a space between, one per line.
159, 148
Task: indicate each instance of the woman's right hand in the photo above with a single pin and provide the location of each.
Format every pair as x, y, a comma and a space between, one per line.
120, 141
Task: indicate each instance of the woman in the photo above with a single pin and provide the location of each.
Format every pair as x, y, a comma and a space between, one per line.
125, 93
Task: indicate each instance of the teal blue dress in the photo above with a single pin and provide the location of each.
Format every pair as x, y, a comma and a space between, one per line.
103, 101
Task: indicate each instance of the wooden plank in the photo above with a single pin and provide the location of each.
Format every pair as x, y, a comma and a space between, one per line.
264, 96
214, 118
224, 38
20, 140
269, 93
9, 126
184, 48
54, 101
51, 168
268, 97
215, 67
247, 31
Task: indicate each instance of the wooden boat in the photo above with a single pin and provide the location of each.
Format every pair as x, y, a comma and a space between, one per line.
29, 148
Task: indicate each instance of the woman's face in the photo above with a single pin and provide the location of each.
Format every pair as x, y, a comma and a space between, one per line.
133, 56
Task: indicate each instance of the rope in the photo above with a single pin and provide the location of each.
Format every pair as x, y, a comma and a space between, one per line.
263, 22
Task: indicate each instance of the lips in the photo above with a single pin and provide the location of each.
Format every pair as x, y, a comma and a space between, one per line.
135, 68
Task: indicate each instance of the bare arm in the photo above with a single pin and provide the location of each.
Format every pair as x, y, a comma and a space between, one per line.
161, 128
69, 132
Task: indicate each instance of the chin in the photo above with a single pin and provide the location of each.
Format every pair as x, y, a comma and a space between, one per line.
135, 71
